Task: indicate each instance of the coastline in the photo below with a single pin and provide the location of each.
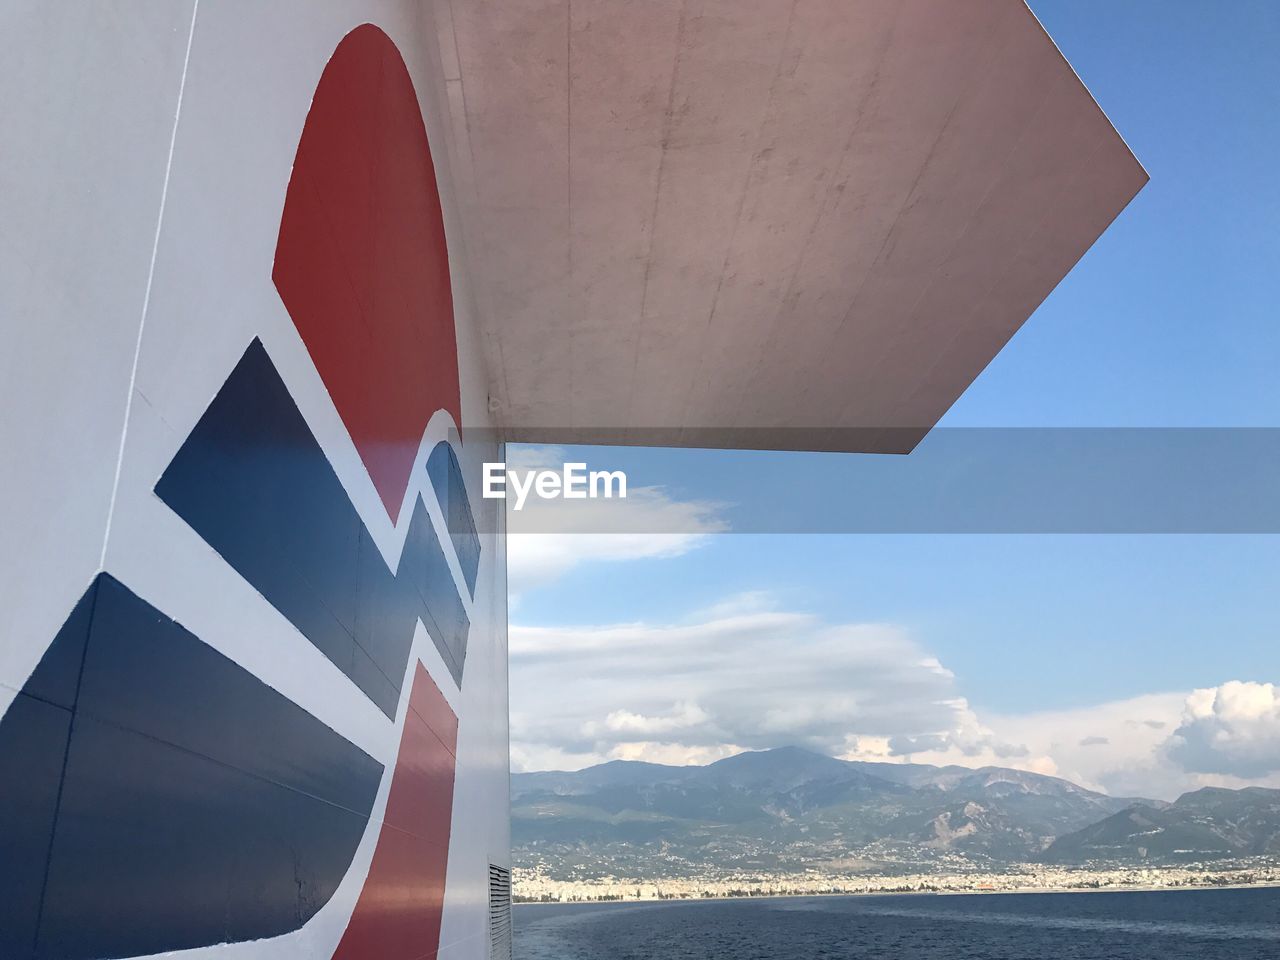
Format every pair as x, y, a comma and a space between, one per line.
1149, 888
1084, 881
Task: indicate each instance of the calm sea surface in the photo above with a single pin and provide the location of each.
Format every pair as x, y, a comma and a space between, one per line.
1165, 925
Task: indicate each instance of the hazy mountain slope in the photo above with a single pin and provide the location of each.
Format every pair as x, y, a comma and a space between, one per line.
791, 806
1204, 824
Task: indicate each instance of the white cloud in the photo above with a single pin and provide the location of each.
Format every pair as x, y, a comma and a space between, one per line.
1157, 745
675, 754
743, 675
749, 601
548, 538
1232, 729
742, 680
682, 717
1115, 746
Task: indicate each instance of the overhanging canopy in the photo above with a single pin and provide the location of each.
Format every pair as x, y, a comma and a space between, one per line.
763, 223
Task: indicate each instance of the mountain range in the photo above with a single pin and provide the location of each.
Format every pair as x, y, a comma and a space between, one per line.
1210, 823
790, 808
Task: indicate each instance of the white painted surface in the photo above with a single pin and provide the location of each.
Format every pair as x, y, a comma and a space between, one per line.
91, 93
88, 117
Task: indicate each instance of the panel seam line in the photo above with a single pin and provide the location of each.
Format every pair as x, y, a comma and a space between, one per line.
66, 759
146, 297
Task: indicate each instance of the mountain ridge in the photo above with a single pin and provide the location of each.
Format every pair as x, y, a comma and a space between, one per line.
1212, 822
792, 807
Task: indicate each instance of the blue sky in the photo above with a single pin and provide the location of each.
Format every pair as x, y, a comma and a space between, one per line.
1170, 320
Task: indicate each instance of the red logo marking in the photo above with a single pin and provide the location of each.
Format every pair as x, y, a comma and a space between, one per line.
361, 263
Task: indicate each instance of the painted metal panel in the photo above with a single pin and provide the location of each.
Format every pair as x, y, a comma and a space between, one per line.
398, 914
451, 493
160, 849
87, 126
362, 265
177, 783
33, 746
252, 480
192, 818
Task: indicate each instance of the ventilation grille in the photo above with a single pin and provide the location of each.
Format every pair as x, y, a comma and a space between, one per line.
499, 913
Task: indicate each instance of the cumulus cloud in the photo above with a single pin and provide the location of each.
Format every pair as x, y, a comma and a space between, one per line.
548, 538
1115, 747
1231, 729
682, 717
744, 675
750, 677
1158, 745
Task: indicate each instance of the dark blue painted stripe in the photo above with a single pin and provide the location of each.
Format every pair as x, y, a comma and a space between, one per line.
451, 492
34, 734
33, 745
143, 810
253, 481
